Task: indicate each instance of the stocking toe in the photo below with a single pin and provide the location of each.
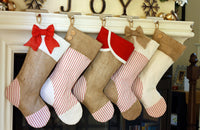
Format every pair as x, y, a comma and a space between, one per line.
40, 118
105, 113
133, 112
72, 119
158, 109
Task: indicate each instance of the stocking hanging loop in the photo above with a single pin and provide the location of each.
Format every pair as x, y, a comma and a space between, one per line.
71, 16
72, 20
103, 18
130, 20
39, 18
156, 24
103, 22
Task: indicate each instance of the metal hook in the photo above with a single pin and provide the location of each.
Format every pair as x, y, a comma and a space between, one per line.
103, 21
130, 20
71, 20
156, 25
103, 18
71, 16
39, 18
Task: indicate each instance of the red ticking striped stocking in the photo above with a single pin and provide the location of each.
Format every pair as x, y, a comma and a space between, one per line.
57, 89
89, 88
23, 92
119, 88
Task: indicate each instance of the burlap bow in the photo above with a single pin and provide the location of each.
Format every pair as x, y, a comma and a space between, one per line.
140, 37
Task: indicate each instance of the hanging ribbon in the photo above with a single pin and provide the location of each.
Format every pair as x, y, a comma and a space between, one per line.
36, 38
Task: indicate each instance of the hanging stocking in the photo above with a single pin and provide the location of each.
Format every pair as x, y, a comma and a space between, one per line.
57, 89
144, 86
118, 89
89, 88
24, 91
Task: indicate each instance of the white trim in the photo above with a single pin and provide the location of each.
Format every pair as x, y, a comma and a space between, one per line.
106, 49
112, 51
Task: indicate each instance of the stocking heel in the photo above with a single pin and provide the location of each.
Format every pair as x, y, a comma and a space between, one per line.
13, 93
47, 92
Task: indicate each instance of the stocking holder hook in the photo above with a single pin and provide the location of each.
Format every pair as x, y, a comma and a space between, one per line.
103, 18
39, 18
130, 20
71, 15
156, 24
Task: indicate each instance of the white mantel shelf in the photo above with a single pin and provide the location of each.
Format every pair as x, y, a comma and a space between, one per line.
91, 24
15, 30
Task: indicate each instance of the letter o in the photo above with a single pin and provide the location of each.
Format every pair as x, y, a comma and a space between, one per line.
92, 7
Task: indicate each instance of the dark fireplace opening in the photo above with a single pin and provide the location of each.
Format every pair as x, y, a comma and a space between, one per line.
86, 123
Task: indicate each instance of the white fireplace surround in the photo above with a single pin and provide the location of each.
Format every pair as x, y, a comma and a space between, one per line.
15, 30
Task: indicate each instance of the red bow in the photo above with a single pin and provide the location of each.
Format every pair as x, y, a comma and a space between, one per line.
36, 38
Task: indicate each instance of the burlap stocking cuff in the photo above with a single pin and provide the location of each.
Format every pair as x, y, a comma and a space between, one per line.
168, 45
120, 48
82, 42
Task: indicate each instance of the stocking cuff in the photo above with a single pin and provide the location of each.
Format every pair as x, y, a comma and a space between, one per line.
57, 51
120, 48
82, 42
168, 45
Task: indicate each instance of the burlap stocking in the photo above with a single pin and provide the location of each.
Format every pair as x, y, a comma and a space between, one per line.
118, 89
24, 91
144, 86
89, 88
57, 89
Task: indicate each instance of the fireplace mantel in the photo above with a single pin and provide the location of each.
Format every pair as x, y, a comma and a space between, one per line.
15, 30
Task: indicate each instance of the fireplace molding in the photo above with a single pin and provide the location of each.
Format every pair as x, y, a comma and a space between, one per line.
15, 30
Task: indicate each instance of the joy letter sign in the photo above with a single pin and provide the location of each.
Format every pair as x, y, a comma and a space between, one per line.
103, 7
114, 7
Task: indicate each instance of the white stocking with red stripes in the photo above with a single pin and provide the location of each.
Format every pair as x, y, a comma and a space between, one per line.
57, 89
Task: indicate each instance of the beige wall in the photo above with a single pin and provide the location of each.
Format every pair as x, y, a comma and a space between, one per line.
192, 14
